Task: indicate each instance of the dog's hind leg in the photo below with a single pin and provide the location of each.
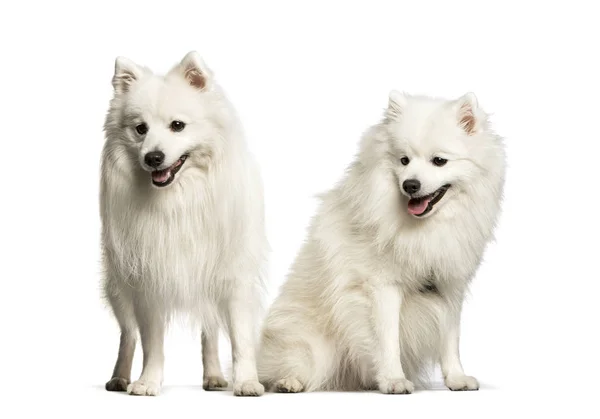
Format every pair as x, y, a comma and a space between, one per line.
151, 322
242, 321
292, 361
123, 311
213, 376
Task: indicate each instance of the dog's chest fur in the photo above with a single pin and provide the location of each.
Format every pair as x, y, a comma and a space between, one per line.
435, 259
168, 245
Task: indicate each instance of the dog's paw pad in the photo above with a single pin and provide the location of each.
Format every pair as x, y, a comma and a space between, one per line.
462, 383
288, 385
248, 388
396, 386
117, 384
144, 388
214, 383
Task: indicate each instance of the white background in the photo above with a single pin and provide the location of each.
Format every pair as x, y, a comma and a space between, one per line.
307, 78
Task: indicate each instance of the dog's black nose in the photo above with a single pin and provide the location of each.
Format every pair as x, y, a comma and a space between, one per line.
411, 186
154, 158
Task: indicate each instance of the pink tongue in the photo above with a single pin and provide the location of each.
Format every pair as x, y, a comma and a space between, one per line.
161, 176
418, 206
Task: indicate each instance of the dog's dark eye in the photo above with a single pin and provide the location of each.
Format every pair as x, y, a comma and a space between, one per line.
438, 161
404, 160
177, 126
141, 129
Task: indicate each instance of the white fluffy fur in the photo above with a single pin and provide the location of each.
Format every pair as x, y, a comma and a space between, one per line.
353, 313
196, 247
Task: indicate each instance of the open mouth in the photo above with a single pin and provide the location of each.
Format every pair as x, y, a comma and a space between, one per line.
166, 176
424, 204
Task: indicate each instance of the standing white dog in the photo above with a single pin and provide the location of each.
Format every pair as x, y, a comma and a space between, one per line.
376, 291
183, 222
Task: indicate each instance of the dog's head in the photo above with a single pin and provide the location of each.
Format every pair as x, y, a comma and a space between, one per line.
165, 121
437, 148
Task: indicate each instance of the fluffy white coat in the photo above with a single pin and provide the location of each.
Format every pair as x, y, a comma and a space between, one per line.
375, 294
196, 247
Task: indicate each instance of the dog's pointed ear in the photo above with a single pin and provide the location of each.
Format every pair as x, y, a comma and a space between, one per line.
126, 73
466, 108
396, 106
195, 71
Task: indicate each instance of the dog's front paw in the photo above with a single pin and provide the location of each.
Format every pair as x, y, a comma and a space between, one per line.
144, 388
214, 383
396, 386
461, 383
117, 384
288, 385
248, 388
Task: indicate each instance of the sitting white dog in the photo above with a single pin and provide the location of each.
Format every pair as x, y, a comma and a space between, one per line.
182, 222
377, 289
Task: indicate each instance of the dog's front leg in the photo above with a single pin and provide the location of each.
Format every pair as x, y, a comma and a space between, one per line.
387, 300
242, 327
151, 323
213, 377
454, 376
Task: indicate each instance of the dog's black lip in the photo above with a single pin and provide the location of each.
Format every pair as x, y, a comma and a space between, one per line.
442, 191
183, 158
